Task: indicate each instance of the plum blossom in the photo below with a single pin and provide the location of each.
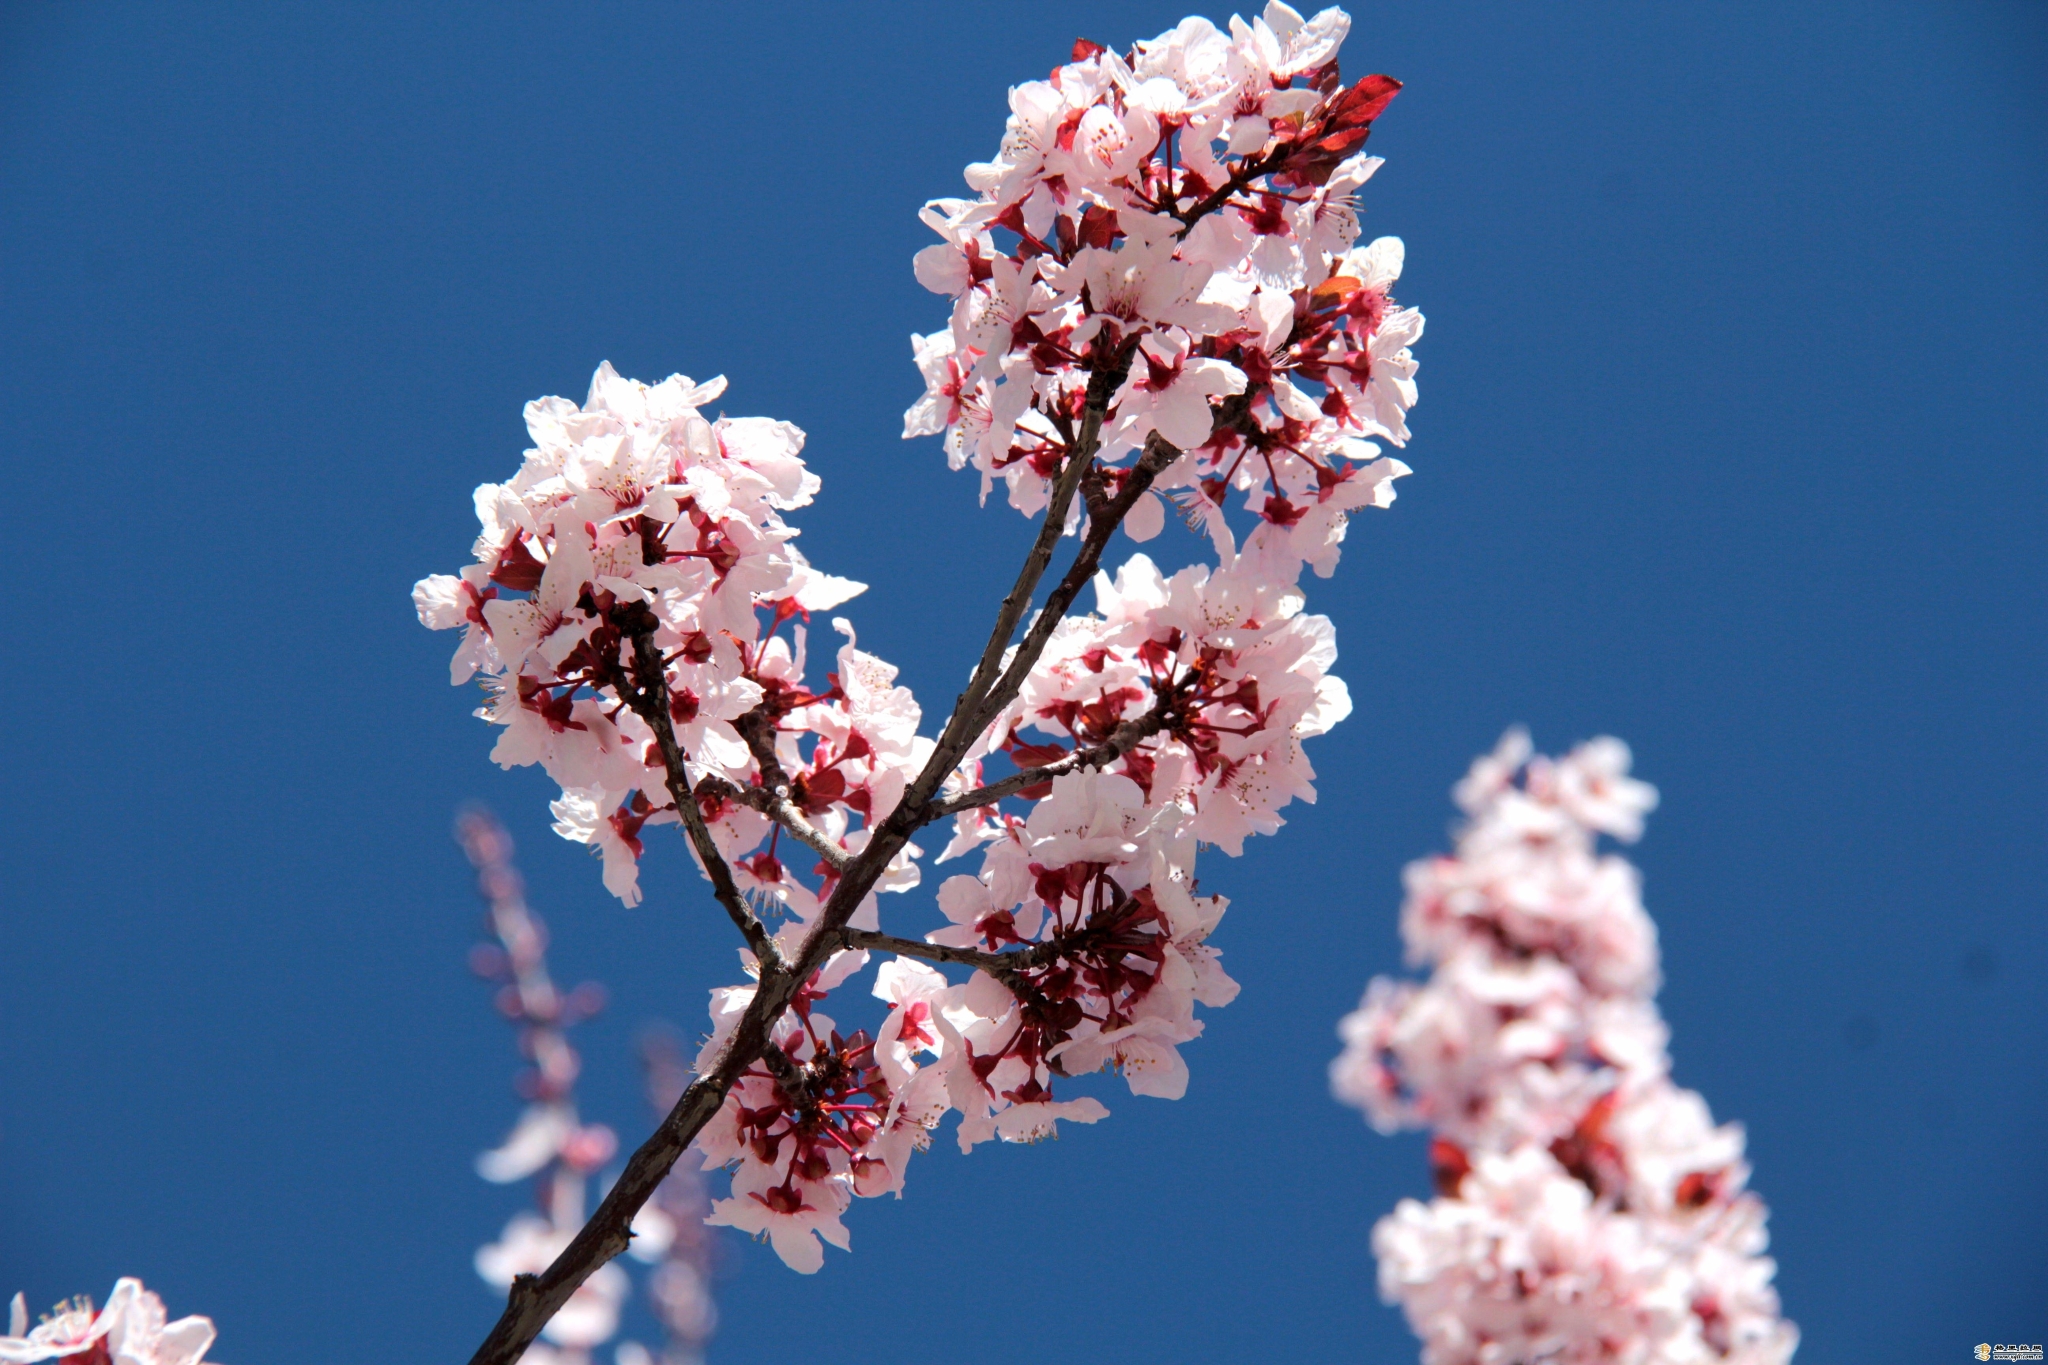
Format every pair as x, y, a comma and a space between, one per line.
1170, 392
1588, 1208
446, 601
1094, 893
1220, 666
132, 1329
1184, 217
635, 516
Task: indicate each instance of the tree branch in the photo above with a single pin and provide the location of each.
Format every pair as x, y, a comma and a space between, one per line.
1127, 736
1004, 967
1239, 182
998, 965
536, 1298
1159, 453
959, 731
777, 806
788, 1075
649, 700
757, 730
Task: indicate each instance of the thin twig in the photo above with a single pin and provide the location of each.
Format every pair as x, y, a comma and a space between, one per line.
1127, 736
1159, 453
1240, 180
960, 728
649, 700
998, 965
777, 806
1006, 967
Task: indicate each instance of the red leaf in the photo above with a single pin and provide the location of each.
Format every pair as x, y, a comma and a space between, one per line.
516, 568
1098, 226
1365, 101
1036, 755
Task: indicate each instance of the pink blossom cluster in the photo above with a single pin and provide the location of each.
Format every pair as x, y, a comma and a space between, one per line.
1162, 262
633, 513
1218, 667
133, 1329
1588, 1208
1184, 215
1095, 890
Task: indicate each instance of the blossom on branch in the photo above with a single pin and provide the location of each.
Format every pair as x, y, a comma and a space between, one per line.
1184, 215
1156, 294
633, 516
132, 1329
1588, 1208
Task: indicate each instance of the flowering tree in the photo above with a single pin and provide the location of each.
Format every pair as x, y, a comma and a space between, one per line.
1588, 1209
1158, 293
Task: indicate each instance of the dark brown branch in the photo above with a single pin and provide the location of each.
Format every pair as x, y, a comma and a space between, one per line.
649, 700
771, 797
536, 1298
1127, 736
757, 729
1005, 967
998, 965
1008, 968
960, 729
788, 1075
1101, 525
1240, 181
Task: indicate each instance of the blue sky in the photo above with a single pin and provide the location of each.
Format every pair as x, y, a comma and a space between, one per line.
1730, 443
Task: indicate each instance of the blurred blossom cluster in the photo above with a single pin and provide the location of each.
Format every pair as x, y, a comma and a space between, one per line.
1588, 1208
671, 1232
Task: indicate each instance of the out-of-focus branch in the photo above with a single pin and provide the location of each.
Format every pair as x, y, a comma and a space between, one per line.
679, 1290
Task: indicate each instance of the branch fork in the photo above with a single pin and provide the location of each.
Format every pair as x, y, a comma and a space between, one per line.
535, 1299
